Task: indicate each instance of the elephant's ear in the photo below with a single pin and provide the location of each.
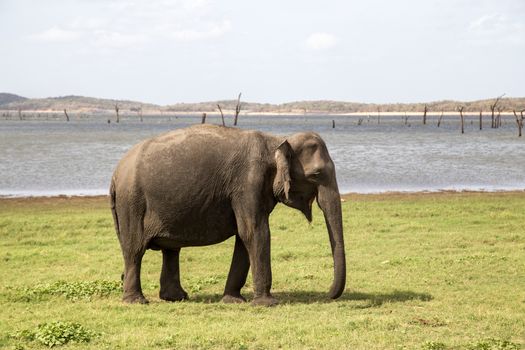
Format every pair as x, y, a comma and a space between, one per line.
282, 180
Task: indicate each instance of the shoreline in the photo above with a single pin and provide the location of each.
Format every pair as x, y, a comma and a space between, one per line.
247, 113
344, 196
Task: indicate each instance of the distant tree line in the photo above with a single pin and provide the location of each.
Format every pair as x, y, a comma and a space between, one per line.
75, 103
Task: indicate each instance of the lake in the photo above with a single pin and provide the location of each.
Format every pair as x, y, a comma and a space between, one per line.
51, 157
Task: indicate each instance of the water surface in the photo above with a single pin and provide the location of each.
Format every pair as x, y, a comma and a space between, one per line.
55, 157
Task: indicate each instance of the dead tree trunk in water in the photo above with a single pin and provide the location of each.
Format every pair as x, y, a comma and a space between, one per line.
67, 116
222, 115
139, 111
492, 108
237, 109
481, 120
519, 121
203, 121
406, 118
499, 117
333, 124
425, 115
20, 113
492, 117
439, 120
460, 109
116, 111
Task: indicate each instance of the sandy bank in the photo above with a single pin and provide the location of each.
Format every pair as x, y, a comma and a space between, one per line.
102, 200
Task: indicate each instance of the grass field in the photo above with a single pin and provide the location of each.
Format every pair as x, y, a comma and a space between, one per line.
425, 271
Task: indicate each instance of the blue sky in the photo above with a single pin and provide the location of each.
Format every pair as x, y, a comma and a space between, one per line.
273, 51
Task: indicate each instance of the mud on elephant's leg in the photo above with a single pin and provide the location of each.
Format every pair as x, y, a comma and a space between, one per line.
170, 287
237, 275
131, 278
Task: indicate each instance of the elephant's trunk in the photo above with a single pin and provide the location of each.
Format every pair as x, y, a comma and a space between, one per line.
329, 201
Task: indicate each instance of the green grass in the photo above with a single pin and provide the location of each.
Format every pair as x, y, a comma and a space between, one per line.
434, 271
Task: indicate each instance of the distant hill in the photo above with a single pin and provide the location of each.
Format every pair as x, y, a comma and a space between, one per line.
75, 103
94, 105
327, 106
6, 98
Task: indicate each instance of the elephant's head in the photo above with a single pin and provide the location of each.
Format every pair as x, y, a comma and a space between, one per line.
305, 171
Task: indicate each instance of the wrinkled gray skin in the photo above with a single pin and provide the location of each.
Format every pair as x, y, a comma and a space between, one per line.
201, 185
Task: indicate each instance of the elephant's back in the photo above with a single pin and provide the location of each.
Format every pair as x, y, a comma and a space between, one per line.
189, 167
190, 150
195, 137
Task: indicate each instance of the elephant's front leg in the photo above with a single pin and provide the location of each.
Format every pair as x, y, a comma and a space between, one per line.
238, 273
256, 238
170, 287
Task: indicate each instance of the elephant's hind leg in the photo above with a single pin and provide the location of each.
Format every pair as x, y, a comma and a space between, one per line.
238, 273
170, 287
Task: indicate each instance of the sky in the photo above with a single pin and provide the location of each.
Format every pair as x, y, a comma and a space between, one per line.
275, 51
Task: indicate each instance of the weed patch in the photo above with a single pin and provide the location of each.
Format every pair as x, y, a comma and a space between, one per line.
56, 333
85, 290
202, 283
434, 345
493, 344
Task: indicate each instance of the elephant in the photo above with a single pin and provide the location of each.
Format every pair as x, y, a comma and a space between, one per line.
202, 184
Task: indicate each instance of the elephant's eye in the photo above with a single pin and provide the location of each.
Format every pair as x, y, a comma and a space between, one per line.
316, 175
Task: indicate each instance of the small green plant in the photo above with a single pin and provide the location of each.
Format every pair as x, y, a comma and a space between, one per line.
56, 333
493, 344
69, 290
433, 345
198, 285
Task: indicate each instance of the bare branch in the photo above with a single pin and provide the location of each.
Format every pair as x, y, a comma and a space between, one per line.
493, 107
222, 115
237, 109
440, 118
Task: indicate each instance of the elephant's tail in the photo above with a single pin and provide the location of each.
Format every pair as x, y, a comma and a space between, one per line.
112, 201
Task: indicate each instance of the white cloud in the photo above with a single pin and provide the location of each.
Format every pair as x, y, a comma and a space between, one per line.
125, 24
321, 41
215, 30
489, 23
56, 34
497, 27
116, 40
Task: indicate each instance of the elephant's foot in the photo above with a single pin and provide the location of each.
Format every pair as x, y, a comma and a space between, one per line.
233, 299
174, 295
266, 300
135, 298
